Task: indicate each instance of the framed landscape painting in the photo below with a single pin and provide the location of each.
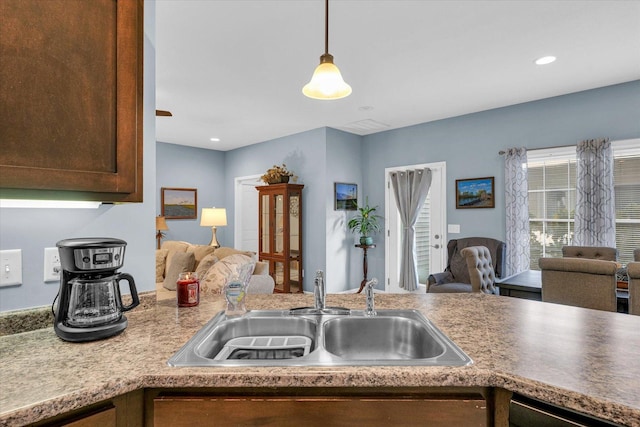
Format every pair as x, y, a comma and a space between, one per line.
346, 197
179, 203
475, 193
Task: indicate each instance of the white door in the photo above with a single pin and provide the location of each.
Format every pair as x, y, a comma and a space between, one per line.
431, 241
246, 213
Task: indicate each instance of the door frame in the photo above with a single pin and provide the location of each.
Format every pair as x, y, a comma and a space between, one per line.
238, 183
437, 256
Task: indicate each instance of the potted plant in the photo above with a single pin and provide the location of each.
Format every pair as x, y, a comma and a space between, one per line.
277, 174
365, 223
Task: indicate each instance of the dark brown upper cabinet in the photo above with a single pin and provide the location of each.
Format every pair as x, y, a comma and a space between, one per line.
71, 99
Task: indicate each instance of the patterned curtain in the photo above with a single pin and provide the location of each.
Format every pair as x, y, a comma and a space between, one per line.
517, 210
595, 217
410, 189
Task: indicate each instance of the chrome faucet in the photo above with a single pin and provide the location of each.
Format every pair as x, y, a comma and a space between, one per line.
319, 291
368, 289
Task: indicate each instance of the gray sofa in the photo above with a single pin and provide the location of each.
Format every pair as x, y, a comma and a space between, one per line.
455, 278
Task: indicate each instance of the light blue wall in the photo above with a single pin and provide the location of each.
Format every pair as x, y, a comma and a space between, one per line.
343, 259
470, 144
34, 229
305, 155
178, 166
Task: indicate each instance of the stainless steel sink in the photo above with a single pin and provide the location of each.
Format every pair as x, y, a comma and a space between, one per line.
320, 338
384, 338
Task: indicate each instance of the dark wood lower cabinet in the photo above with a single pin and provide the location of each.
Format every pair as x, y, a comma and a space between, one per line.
126, 410
323, 407
321, 410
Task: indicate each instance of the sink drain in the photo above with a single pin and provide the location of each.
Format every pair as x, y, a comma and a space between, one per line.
265, 348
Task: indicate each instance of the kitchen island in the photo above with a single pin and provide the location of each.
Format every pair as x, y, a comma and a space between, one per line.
579, 359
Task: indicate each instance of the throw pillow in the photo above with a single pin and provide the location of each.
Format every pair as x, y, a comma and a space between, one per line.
161, 257
224, 252
200, 252
224, 269
181, 262
459, 268
205, 264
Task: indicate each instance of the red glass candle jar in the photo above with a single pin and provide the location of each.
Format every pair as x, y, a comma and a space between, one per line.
188, 289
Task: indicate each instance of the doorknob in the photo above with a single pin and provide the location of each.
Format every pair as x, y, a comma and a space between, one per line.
436, 246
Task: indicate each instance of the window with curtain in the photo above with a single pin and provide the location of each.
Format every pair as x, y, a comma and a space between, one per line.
552, 199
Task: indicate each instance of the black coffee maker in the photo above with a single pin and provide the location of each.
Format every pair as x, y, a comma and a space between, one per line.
89, 305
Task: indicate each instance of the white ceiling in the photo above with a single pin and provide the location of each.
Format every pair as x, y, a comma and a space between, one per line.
234, 70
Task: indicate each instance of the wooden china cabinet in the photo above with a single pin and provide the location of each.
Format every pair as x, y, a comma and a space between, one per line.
280, 234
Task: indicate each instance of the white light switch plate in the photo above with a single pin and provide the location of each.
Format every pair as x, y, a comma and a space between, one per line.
51, 265
11, 267
453, 228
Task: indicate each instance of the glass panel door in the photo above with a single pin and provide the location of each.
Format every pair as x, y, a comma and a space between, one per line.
264, 219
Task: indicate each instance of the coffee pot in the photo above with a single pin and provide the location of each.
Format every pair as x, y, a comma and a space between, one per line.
89, 303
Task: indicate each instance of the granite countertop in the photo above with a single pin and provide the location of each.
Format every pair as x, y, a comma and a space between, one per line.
576, 358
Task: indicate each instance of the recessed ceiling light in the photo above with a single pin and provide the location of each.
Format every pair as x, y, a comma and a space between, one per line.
545, 60
214, 139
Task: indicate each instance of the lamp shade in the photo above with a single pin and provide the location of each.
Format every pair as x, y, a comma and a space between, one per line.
326, 82
161, 223
213, 217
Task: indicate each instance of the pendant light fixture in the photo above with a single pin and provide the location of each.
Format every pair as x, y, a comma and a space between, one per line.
326, 82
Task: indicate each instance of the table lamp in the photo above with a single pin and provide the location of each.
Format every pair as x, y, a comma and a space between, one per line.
213, 217
161, 224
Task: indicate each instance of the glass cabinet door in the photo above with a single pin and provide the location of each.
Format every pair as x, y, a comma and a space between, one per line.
294, 224
264, 224
279, 223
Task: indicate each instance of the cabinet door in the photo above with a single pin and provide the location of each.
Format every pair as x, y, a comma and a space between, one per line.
71, 99
105, 418
317, 411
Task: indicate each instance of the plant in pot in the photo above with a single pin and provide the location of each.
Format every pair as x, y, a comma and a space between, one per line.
277, 174
365, 223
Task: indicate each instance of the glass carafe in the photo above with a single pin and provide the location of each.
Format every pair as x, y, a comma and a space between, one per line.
95, 302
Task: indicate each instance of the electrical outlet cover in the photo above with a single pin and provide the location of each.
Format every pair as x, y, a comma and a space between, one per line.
51, 265
11, 267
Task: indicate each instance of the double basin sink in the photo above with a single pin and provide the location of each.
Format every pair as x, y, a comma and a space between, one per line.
310, 337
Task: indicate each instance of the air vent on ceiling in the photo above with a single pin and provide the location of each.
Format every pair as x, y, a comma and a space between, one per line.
365, 126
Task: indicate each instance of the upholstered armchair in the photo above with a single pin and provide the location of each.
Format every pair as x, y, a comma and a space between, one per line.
480, 266
590, 252
633, 271
456, 277
636, 254
581, 282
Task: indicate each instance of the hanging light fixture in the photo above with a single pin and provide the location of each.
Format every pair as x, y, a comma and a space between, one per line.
326, 82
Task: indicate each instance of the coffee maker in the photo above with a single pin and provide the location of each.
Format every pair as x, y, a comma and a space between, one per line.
89, 304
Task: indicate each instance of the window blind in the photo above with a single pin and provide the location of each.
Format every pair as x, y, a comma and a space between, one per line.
552, 199
422, 240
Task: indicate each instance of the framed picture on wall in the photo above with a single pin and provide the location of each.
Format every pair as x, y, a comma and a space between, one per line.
346, 196
475, 193
179, 203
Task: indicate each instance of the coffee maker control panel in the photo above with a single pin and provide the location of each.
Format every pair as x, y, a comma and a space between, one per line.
99, 258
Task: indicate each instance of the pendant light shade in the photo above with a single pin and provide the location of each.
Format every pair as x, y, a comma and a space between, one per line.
326, 82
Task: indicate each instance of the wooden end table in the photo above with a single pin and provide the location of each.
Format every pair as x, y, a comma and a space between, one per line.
365, 248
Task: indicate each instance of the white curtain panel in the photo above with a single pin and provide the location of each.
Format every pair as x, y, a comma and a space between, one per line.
410, 189
517, 210
595, 217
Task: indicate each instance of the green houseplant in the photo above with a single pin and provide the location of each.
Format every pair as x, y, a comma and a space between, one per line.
365, 223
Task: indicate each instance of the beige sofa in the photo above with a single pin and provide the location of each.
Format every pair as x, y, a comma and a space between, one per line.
213, 265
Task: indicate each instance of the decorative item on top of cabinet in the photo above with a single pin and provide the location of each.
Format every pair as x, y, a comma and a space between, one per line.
71, 100
280, 234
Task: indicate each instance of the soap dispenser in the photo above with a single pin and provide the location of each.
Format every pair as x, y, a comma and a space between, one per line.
234, 292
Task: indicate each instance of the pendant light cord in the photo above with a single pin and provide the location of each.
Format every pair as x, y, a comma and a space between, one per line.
326, 27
